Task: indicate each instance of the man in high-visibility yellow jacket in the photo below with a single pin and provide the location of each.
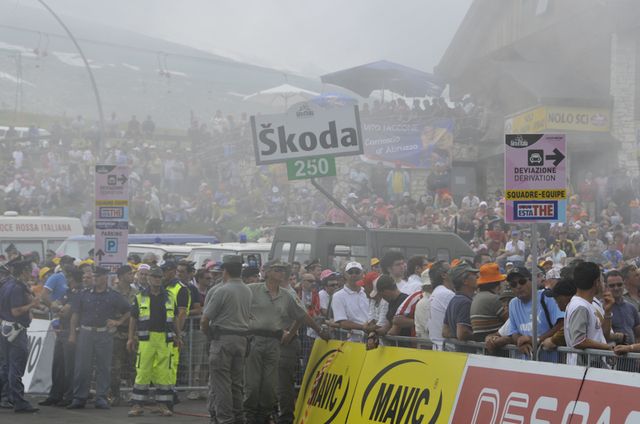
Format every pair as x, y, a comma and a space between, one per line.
154, 327
182, 297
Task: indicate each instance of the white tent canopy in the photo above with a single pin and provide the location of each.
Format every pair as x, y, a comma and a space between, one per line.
281, 96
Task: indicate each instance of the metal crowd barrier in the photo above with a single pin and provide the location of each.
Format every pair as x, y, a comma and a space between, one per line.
193, 370
588, 357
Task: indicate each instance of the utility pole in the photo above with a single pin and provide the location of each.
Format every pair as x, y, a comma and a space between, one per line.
100, 146
18, 103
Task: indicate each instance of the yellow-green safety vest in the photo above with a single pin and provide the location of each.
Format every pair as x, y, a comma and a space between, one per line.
144, 316
175, 288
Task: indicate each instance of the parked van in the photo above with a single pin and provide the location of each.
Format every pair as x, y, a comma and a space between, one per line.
23, 132
252, 253
79, 247
36, 233
335, 246
178, 251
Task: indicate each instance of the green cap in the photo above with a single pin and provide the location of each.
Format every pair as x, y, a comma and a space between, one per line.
276, 263
156, 271
231, 259
457, 272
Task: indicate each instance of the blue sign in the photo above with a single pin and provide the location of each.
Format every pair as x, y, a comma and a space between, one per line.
111, 245
537, 210
414, 143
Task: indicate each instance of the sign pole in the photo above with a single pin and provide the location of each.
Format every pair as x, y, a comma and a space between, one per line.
535, 192
534, 291
356, 218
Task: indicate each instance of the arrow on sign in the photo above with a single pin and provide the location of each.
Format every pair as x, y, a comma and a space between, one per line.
557, 157
99, 254
122, 179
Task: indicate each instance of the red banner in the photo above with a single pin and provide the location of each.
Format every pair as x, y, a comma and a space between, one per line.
498, 390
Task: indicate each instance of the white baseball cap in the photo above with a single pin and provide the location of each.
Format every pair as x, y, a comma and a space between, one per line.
352, 265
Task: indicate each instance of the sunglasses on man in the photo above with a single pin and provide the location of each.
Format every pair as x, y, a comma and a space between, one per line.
521, 282
354, 271
278, 269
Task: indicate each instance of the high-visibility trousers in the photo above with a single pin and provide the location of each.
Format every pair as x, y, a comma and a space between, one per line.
153, 365
174, 360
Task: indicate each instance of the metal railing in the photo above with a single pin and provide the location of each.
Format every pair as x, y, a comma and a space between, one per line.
588, 357
193, 371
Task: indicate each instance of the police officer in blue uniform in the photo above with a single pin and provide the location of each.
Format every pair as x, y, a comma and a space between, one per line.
5, 276
93, 323
16, 302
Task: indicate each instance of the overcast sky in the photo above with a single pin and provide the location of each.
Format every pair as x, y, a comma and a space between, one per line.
309, 37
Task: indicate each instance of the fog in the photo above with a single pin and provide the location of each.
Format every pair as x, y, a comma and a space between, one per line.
308, 37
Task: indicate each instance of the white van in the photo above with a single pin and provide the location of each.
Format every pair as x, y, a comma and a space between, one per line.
36, 233
23, 132
252, 253
178, 251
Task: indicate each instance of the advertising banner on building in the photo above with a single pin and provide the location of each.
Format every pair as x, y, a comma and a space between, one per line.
558, 118
111, 216
419, 143
535, 178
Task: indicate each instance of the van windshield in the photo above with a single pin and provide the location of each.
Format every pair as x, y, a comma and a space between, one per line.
24, 246
341, 254
75, 248
200, 256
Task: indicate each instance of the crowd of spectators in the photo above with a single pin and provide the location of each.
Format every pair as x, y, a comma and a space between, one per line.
206, 181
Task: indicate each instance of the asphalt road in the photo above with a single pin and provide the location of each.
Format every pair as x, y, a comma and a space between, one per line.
186, 412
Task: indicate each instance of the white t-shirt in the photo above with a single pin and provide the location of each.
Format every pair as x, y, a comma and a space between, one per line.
505, 330
439, 300
410, 286
558, 257
18, 158
324, 299
581, 322
510, 248
422, 317
349, 305
378, 311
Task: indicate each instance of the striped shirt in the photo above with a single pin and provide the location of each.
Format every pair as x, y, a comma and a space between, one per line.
408, 308
486, 310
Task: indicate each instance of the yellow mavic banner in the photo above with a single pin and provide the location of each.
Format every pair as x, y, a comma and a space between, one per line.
329, 382
400, 385
550, 194
344, 383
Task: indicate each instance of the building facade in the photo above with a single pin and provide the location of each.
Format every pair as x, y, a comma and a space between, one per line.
555, 66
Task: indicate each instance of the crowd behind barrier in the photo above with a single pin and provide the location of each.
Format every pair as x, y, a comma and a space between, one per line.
193, 371
587, 357
399, 286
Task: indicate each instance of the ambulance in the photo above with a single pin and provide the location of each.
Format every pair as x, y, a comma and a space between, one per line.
35, 233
